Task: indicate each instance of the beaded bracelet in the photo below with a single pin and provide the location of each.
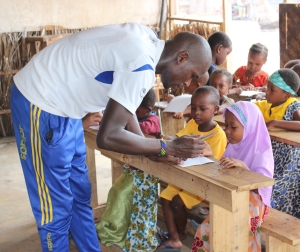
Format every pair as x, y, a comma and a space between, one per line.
163, 148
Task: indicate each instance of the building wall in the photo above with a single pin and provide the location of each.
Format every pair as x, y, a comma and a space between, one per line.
16, 15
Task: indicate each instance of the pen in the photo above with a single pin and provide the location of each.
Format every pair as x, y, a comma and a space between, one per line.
208, 135
226, 99
159, 116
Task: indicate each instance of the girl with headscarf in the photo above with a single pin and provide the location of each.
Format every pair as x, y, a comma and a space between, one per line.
282, 110
249, 147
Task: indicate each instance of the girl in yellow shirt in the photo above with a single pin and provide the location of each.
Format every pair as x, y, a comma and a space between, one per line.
282, 110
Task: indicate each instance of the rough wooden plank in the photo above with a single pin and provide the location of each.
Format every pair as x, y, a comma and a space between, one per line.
276, 245
116, 170
282, 226
98, 211
90, 159
177, 176
9, 72
233, 237
289, 32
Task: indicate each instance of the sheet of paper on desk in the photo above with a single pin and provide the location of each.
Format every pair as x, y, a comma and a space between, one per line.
178, 103
250, 93
162, 104
94, 127
196, 161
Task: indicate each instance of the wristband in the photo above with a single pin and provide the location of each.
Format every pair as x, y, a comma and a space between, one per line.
163, 148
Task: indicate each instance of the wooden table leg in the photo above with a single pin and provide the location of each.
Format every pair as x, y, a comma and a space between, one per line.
91, 163
229, 230
116, 170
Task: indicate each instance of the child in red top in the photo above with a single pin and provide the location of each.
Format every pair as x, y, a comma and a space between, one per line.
251, 77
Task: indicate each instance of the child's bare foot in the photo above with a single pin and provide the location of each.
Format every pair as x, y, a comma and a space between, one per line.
174, 246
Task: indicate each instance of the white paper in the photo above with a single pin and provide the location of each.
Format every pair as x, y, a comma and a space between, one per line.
250, 93
178, 103
162, 104
196, 161
95, 127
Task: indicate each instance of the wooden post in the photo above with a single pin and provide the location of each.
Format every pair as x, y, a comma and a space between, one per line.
289, 32
227, 20
233, 237
90, 160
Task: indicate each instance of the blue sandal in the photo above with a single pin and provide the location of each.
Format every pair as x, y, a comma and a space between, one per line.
168, 248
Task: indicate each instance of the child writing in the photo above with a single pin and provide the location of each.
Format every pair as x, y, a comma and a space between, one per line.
221, 80
282, 110
174, 200
130, 215
249, 147
220, 45
190, 90
296, 69
251, 77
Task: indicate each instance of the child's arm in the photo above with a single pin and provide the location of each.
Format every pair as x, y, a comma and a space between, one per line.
232, 162
91, 119
288, 125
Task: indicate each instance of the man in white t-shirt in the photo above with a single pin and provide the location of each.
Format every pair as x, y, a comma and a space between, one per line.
110, 67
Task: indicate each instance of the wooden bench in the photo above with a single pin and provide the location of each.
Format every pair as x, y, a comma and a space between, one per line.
282, 232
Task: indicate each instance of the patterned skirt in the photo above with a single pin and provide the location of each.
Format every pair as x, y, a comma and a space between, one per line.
286, 190
130, 216
258, 212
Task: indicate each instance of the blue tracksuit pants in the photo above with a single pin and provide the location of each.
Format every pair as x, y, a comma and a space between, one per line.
52, 153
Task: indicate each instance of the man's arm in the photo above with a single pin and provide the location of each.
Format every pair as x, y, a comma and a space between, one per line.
113, 136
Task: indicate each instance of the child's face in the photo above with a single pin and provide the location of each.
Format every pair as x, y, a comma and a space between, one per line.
142, 112
196, 83
222, 55
275, 95
234, 130
255, 62
220, 82
202, 108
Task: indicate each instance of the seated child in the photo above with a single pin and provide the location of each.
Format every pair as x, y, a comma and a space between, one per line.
220, 45
174, 200
221, 80
251, 77
92, 119
291, 63
249, 147
296, 69
190, 90
130, 215
282, 110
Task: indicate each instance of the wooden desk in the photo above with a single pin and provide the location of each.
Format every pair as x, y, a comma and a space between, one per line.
280, 135
227, 190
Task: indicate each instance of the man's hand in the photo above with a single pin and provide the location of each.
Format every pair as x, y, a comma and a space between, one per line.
185, 147
166, 159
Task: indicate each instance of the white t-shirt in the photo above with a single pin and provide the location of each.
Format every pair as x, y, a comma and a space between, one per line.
77, 74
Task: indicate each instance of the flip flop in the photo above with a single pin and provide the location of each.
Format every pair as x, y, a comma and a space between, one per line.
194, 225
161, 236
168, 248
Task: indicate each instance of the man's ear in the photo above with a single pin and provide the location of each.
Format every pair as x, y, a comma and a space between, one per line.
182, 57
